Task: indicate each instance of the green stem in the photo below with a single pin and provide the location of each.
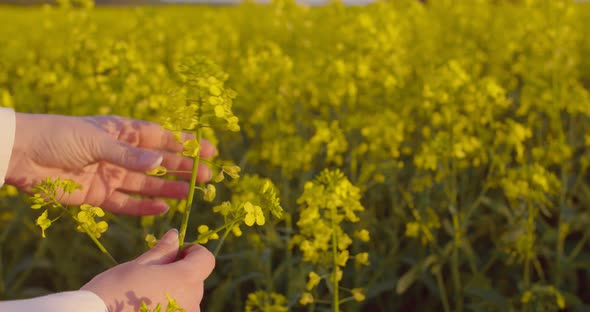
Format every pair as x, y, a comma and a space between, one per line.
559, 255
191, 192
99, 244
353, 168
217, 230
347, 299
39, 254
87, 231
527, 273
336, 296
443, 291
579, 246
457, 279
527, 281
456, 276
7, 232
218, 248
288, 235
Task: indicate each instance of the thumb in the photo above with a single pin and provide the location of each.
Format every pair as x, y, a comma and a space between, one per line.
164, 252
127, 156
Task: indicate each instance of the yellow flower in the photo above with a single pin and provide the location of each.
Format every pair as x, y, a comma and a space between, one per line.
43, 222
560, 300
412, 229
363, 235
205, 234
338, 273
88, 212
151, 240
358, 294
379, 178
172, 304
223, 209
191, 148
232, 171
38, 201
310, 253
314, 280
219, 111
236, 230
95, 229
253, 214
219, 177
158, 171
215, 90
86, 220
526, 297
9, 191
209, 193
362, 258
342, 258
261, 301
344, 241
306, 298
232, 124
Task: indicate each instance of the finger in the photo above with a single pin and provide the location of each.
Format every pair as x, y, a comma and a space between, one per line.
170, 143
148, 135
164, 252
208, 150
154, 136
141, 184
196, 260
121, 203
173, 162
126, 156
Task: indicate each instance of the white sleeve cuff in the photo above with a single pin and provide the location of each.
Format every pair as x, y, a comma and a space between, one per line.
70, 301
7, 129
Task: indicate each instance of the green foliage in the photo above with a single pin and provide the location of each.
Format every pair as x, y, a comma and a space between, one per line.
464, 125
172, 306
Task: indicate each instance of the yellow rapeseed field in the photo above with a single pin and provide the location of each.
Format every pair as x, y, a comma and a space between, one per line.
399, 156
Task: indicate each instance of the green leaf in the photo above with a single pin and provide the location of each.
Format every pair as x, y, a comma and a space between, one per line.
406, 280
488, 295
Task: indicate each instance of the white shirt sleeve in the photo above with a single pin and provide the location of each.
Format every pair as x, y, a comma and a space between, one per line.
71, 301
7, 129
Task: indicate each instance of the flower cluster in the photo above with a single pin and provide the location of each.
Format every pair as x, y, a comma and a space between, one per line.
254, 200
203, 101
327, 204
87, 222
261, 301
49, 195
172, 306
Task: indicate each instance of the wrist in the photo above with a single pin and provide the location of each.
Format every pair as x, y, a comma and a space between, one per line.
19, 154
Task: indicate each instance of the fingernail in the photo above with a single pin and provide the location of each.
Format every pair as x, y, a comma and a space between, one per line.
150, 160
169, 236
209, 174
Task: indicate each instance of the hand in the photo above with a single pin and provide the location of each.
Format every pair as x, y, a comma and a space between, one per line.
154, 274
107, 155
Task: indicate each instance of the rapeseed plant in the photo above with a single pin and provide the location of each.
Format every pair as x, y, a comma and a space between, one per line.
463, 124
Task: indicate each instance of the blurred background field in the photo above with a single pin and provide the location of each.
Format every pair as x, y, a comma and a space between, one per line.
175, 2
465, 125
